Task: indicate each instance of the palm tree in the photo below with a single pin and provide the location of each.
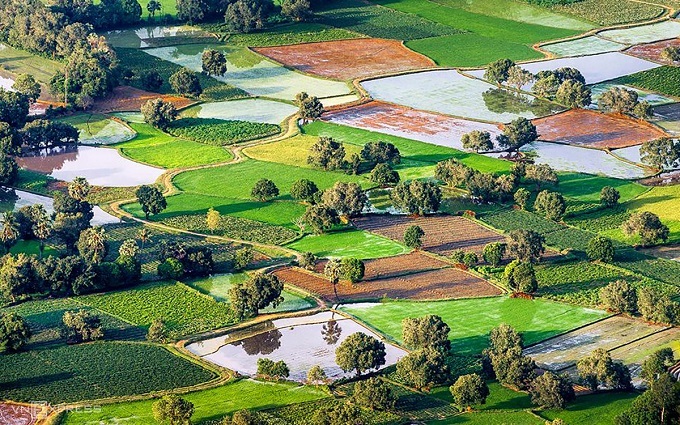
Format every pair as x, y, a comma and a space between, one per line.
153, 6
42, 226
10, 230
79, 188
144, 236
332, 271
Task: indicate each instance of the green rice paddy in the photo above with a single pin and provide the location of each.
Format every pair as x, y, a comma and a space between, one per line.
349, 243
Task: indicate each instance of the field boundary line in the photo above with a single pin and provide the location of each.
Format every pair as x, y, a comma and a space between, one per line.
561, 334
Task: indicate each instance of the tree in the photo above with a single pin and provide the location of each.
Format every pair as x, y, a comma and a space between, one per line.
519, 77
247, 15
158, 331
10, 230
477, 141
348, 199
643, 110
671, 53
92, 244
297, 10
214, 62
328, 154
264, 190
573, 94
384, 175
14, 332
526, 245
518, 133
546, 86
159, 113
609, 196
522, 197
413, 237
661, 153
309, 107
423, 368
272, 370
79, 188
426, 332
144, 236
337, 414
28, 86
657, 307
540, 174
244, 417
320, 218
551, 204
17, 274
619, 297
452, 172
171, 269
81, 326
374, 394
316, 375
360, 352
186, 82
173, 410
151, 80
497, 72
505, 355
618, 100
494, 252
212, 220
599, 369
417, 197
656, 365
552, 391
243, 257
521, 277
381, 152
469, 390
656, 406
8, 170
151, 200
190, 11
304, 190
42, 227
333, 271
647, 227
152, 7
14, 108
258, 292
600, 249
353, 269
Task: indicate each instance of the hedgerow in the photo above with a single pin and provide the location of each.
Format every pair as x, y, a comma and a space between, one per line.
221, 132
235, 227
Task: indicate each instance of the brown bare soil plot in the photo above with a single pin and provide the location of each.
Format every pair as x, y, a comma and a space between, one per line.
443, 233
652, 51
383, 268
594, 129
17, 414
348, 59
439, 284
127, 99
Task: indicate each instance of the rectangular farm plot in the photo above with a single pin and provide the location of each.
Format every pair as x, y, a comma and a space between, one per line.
400, 265
644, 33
653, 99
253, 110
583, 46
449, 92
565, 350
409, 123
594, 129
443, 234
636, 352
126, 98
652, 51
348, 59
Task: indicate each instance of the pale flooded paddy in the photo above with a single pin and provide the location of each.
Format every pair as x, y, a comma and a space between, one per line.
451, 93
591, 45
13, 200
218, 287
100, 166
301, 342
149, 36
6, 83
253, 73
644, 33
251, 110
654, 99
563, 157
100, 130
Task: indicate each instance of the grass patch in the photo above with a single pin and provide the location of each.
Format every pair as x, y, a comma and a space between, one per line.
293, 151
593, 409
18, 62
349, 243
220, 132
302, 32
210, 405
492, 418
142, 304
235, 227
32, 247
664, 80
610, 12
33, 181
472, 319
152, 146
509, 220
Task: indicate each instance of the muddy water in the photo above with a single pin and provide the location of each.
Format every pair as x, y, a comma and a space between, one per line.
100, 166
300, 342
15, 199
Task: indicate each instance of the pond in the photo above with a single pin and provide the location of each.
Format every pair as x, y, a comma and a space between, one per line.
12, 200
301, 342
251, 110
100, 166
218, 286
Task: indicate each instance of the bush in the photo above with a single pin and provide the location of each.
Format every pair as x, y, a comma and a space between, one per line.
413, 237
353, 269
493, 253
171, 269
600, 249
619, 297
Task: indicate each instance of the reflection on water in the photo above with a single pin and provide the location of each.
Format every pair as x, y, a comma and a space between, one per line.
100, 166
503, 101
302, 343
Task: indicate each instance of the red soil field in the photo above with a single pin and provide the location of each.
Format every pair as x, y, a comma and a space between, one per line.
383, 268
439, 284
594, 129
443, 233
652, 51
348, 59
16, 414
128, 99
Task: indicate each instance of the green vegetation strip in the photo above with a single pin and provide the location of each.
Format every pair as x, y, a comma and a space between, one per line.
220, 132
349, 243
664, 80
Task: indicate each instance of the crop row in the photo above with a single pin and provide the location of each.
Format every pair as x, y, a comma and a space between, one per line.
220, 132
235, 227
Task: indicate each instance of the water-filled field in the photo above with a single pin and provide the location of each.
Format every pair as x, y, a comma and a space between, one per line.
253, 73
150, 36
100, 166
644, 34
591, 45
254, 110
654, 99
99, 130
449, 92
15, 199
301, 342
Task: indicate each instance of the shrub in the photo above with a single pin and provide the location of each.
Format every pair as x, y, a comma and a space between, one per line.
413, 237
619, 296
171, 269
493, 253
353, 269
600, 249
